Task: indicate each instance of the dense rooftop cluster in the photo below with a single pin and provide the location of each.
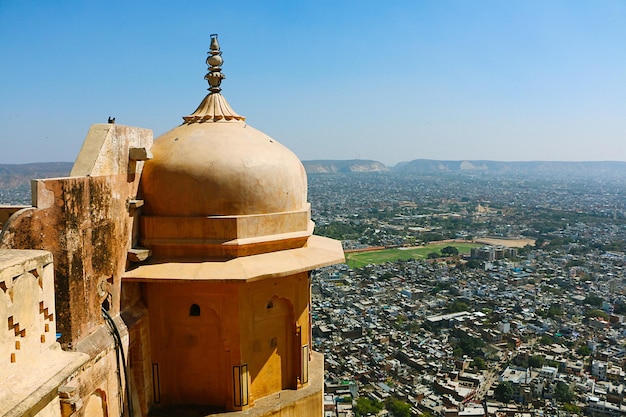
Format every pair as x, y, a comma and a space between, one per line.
542, 333
387, 209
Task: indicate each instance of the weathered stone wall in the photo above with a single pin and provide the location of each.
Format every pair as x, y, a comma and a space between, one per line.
86, 222
140, 356
7, 211
32, 365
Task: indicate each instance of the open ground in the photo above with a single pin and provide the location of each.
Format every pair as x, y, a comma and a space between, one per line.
359, 259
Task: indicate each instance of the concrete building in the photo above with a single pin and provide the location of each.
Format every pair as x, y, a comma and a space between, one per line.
175, 276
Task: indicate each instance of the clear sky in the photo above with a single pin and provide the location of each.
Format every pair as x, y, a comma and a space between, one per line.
385, 80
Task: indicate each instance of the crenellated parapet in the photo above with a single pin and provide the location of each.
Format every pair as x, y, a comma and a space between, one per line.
26, 305
29, 352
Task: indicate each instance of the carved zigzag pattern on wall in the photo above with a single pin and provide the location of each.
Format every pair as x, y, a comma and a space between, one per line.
15, 326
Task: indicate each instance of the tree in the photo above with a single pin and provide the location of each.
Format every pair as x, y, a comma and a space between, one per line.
572, 409
596, 313
504, 392
536, 361
555, 310
563, 393
365, 406
433, 255
584, 350
594, 300
430, 236
457, 306
467, 345
546, 340
450, 250
398, 408
473, 264
520, 361
479, 363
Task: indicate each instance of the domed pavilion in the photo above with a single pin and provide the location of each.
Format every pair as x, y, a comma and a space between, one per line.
219, 311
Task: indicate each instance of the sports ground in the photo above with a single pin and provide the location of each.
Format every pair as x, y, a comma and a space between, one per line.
359, 259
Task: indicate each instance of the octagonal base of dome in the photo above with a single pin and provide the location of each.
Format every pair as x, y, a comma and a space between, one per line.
317, 252
225, 237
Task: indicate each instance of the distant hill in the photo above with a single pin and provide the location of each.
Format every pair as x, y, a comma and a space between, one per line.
354, 165
17, 175
14, 176
431, 166
592, 168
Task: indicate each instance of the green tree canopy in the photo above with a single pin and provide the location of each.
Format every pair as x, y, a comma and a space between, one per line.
546, 340
594, 300
450, 250
431, 236
473, 264
479, 363
536, 361
470, 346
555, 310
596, 313
504, 392
563, 393
571, 408
398, 408
457, 306
365, 406
584, 350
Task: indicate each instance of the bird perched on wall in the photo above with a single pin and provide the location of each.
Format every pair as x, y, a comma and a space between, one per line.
111, 120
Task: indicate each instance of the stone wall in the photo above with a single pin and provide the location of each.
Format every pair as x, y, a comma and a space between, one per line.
32, 365
85, 223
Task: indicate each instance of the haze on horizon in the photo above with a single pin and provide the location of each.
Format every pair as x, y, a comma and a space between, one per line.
448, 80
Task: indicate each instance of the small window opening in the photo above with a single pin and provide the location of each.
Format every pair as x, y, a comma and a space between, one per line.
270, 304
194, 310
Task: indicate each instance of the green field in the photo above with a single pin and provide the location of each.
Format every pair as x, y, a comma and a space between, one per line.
360, 259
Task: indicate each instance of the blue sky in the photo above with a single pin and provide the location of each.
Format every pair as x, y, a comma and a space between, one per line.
385, 80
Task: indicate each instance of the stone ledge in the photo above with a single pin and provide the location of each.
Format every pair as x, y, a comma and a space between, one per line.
33, 386
14, 262
318, 252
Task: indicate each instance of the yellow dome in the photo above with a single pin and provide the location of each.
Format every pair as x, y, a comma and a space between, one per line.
221, 168
217, 188
216, 165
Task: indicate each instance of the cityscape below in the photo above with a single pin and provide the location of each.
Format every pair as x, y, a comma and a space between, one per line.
465, 292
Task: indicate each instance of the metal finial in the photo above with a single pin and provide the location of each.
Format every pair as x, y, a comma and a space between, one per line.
214, 62
214, 107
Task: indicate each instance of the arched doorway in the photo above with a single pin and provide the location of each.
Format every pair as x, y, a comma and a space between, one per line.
272, 362
192, 368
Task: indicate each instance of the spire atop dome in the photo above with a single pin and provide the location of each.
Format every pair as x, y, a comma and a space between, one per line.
214, 107
214, 62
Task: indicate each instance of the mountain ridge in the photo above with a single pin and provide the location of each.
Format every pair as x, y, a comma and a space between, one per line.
434, 166
16, 175
19, 175
349, 165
